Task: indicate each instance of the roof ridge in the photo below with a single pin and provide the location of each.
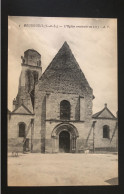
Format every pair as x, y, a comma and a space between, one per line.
110, 112
24, 108
98, 113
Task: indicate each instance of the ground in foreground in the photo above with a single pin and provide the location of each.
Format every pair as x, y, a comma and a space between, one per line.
62, 169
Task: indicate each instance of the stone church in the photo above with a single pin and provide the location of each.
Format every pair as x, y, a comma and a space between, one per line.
52, 111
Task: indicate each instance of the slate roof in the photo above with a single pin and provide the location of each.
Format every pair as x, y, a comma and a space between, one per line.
97, 115
64, 69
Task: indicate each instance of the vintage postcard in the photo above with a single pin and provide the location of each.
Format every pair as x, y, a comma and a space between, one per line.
62, 101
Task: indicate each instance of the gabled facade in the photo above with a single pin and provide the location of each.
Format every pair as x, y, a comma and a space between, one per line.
54, 108
106, 130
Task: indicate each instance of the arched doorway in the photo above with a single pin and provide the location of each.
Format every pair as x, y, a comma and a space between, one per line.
64, 141
64, 138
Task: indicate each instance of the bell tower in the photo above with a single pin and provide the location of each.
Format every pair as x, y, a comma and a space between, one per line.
30, 74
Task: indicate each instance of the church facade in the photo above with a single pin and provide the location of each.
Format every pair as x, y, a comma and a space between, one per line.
52, 111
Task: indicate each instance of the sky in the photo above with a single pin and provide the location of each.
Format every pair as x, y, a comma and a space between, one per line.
93, 42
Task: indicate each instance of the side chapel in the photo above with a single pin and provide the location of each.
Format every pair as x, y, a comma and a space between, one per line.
52, 111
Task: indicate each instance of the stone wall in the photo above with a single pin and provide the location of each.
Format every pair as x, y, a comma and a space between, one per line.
32, 57
40, 121
30, 74
101, 142
47, 112
53, 105
15, 143
82, 128
23, 97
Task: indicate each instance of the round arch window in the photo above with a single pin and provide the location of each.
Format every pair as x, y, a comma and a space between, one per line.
22, 129
106, 131
65, 110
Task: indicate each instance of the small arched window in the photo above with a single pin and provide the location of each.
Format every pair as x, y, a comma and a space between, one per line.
106, 131
21, 129
65, 110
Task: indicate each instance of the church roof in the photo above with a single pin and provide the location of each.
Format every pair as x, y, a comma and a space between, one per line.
64, 71
22, 110
105, 113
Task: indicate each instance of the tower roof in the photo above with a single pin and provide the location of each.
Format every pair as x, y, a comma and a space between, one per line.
32, 50
64, 71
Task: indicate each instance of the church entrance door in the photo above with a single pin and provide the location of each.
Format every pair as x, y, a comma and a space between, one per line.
64, 141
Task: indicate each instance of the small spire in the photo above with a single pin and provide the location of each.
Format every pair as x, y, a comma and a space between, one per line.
105, 105
65, 43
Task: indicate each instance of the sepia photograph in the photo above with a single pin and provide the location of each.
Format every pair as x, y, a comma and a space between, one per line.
62, 101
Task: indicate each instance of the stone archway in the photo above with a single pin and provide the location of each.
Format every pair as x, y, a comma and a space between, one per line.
64, 138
